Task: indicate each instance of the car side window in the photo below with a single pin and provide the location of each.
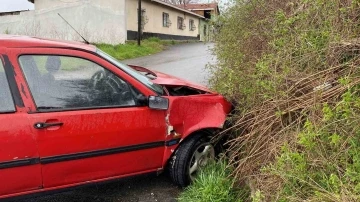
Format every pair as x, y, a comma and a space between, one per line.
66, 83
6, 100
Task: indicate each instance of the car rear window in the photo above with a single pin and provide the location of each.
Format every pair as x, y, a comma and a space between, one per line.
6, 100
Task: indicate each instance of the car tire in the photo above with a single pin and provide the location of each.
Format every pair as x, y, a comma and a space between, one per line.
192, 155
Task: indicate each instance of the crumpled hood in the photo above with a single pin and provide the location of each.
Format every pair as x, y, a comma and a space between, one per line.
165, 79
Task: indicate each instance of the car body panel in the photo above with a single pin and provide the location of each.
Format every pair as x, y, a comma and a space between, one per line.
87, 134
14, 41
165, 79
18, 147
193, 113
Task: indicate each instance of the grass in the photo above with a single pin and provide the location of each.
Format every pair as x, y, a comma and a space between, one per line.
131, 50
212, 185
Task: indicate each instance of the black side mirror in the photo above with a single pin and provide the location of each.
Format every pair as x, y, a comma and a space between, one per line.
157, 102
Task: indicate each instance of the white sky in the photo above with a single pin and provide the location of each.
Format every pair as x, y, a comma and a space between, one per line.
15, 5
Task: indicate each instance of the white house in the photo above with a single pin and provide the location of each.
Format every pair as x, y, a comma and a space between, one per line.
102, 21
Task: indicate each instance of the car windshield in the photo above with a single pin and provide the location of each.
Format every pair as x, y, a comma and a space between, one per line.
142, 78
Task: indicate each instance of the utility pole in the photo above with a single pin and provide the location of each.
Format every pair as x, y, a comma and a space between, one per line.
139, 23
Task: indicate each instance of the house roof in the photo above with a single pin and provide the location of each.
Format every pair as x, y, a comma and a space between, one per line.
194, 7
177, 8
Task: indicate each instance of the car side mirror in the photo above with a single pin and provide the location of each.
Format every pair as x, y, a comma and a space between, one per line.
157, 102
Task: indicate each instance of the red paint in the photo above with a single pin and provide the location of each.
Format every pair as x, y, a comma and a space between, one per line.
93, 129
18, 142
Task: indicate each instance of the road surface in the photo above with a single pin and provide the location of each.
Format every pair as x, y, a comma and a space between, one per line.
186, 61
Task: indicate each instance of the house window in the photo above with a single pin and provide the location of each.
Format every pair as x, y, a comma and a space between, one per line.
166, 20
192, 26
181, 24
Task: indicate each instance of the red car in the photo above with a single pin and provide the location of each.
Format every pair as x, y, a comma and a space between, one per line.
71, 115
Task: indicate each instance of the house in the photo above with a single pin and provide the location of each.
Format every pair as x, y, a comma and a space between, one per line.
99, 21
162, 20
208, 11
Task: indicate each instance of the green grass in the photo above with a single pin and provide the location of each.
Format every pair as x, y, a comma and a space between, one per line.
211, 185
131, 50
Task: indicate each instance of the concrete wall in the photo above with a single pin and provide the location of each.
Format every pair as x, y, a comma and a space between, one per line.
97, 20
154, 20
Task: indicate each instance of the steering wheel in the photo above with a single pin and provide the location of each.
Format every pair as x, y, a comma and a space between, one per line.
103, 80
104, 83
97, 79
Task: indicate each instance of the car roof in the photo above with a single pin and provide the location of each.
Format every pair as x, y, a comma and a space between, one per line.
15, 41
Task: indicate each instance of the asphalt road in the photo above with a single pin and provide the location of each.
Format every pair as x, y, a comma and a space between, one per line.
186, 61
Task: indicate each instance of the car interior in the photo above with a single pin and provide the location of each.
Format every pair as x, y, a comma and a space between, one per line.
51, 91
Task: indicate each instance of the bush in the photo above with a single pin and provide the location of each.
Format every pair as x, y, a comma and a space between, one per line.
212, 185
292, 66
323, 162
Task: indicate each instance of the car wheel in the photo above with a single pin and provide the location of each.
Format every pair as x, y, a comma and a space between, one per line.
192, 155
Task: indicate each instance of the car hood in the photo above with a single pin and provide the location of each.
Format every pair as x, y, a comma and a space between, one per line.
168, 80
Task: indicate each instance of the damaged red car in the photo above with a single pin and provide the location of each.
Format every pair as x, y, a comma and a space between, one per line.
71, 115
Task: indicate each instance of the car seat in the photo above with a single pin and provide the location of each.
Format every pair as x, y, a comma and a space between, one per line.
52, 66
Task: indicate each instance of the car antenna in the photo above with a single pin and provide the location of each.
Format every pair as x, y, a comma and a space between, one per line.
74, 29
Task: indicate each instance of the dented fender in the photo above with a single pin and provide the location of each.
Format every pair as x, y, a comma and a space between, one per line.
193, 113
188, 114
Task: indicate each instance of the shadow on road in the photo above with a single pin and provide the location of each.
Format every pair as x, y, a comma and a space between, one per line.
145, 188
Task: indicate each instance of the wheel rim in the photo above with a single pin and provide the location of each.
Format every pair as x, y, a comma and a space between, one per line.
202, 155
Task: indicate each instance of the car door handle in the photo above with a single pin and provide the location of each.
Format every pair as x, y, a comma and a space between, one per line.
41, 125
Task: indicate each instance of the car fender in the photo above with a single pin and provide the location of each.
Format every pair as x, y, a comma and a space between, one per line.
189, 114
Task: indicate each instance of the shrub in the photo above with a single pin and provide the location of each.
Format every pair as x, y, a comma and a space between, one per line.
292, 67
323, 162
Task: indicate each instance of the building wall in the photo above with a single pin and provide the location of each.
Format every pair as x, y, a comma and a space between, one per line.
203, 27
97, 20
154, 21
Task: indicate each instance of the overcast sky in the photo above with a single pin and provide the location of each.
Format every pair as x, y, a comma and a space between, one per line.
15, 5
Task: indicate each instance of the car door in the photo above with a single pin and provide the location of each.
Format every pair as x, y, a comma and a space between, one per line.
87, 118
19, 159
